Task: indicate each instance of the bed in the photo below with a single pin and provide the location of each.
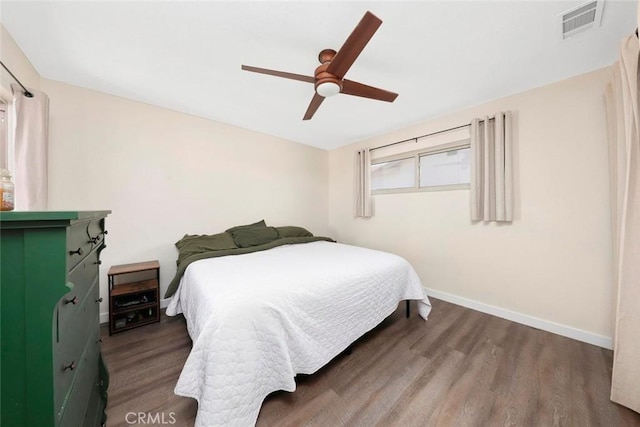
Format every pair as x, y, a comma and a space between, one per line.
257, 319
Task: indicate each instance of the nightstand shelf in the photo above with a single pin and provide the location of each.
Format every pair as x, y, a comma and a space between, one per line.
134, 295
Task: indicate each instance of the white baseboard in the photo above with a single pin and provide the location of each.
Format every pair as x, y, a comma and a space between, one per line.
104, 317
534, 322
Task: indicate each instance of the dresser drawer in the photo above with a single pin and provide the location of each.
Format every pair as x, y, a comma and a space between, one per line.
76, 331
82, 238
78, 244
95, 410
81, 397
96, 232
81, 278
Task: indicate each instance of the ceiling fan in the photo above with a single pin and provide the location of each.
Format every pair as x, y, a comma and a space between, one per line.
329, 77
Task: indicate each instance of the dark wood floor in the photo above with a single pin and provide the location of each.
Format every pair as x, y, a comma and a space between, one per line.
461, 368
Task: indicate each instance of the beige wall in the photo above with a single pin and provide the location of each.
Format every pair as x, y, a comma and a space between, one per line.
17, 62
554, 261
164, 174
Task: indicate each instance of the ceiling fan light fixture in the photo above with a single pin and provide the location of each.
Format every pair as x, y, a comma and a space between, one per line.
327, 89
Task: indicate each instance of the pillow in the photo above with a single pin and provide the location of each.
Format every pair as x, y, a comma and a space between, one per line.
213, 242
255, 236
291, 231
195, 244
260, 223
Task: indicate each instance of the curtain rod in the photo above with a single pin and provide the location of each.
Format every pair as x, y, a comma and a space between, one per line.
416, 138
26, 91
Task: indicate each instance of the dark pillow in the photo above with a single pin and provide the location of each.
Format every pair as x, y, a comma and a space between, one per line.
260, 223
255, 236
291, 231
195, 244
209, 241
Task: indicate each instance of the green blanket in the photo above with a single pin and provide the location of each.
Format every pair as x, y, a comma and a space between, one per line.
184, 262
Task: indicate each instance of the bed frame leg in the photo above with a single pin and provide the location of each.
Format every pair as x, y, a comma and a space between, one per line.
408, 309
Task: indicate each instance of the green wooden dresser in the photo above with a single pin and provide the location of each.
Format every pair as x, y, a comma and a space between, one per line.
51, 368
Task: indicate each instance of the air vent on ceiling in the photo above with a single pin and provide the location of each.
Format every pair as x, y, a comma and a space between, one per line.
579, 19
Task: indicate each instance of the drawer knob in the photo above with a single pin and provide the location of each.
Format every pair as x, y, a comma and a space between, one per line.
99, 262
71, 366
94, 240
104, 232
99, 340
99, 299
73, 300
77, 251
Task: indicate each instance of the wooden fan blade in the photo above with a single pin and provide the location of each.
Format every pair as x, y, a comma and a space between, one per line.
284, 74
313, 106
355, 43
358, 89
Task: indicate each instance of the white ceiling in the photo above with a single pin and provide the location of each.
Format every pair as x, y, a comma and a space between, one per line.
440, 56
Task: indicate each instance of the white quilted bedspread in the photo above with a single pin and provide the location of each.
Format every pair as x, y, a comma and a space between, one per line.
256, 320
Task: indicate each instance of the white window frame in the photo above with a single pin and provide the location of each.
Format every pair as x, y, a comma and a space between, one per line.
436, 149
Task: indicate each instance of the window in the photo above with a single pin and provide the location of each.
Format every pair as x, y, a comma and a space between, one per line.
4, 136
451, 167
442, 167
393, 174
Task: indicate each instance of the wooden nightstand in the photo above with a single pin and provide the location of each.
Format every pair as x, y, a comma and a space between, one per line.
134, 295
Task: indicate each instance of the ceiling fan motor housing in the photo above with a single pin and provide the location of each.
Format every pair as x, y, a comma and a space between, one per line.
325, 79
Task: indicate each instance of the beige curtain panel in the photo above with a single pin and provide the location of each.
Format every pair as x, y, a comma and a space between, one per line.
362, 184
624, 159
491, 188
31, 134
